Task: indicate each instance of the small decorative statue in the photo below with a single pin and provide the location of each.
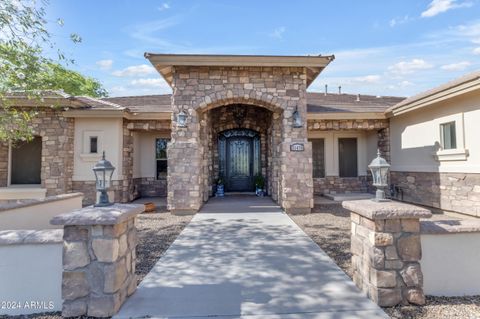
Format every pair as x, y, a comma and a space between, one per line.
259, 185
220, 188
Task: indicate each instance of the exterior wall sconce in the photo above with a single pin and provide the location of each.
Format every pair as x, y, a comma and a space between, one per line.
297, 119
182, 119
379, 168
103, 176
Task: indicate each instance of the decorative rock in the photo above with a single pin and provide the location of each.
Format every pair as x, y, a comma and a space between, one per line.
409, 248
415, 296
122, 245
115, 275
391, 253
387, 297
412, 275
106, 250
74, 285
75, 255
411, 225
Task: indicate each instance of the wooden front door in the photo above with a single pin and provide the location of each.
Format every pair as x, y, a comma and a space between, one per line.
239, 164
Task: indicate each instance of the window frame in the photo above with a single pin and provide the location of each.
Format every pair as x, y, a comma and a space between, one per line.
453, 139
91, 138
157, 159
311, 139
356, 156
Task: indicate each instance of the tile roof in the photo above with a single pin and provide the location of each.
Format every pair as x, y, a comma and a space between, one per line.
316, 103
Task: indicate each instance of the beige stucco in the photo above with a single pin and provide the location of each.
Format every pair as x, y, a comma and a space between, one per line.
144, 163
415, 137
110, 138
366, 149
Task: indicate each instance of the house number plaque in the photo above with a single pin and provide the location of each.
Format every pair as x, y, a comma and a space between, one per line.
297, 147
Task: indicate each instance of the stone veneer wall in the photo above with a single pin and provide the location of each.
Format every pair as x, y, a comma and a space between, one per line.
340, 185
281, 90
150, 187
221, 119
57, 133
459, 192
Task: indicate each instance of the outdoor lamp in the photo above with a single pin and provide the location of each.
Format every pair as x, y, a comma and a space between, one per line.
297, 119
103, 176
181, 119
379, 168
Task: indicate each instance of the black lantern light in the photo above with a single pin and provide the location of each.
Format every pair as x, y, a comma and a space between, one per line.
103, 175
379, 168
297, 119
182, 119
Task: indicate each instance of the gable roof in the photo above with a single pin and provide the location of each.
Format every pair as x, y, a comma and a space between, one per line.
164, 63
461, 85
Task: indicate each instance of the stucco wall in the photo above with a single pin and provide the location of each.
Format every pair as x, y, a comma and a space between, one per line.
450, 264
31, 276
36, 214
110, 139
424, 178
414, 136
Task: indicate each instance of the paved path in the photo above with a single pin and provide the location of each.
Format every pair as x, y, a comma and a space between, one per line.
243, 257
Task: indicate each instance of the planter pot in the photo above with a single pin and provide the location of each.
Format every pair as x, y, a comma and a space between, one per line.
259, 192
149, 207
220, 191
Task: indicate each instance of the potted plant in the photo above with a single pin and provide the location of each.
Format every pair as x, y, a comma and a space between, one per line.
220, 188
259, 185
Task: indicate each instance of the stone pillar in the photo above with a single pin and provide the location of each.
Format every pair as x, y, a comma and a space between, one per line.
98, 259
386, 250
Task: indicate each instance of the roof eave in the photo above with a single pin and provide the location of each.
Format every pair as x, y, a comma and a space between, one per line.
164, 63
346, 116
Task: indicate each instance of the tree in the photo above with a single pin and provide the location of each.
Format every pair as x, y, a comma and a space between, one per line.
24, 67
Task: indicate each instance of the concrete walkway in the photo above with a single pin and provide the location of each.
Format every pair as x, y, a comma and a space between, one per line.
243, 257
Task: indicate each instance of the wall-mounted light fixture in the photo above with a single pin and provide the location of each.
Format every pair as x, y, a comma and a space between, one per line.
182, 119
297, 119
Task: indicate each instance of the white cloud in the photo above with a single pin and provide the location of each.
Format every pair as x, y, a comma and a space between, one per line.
397, 21
150, 82
104, 64
456, 66
373, 78
476, 51
164, 6
278, 33
439, 6
407, 67
405, 83
135, 70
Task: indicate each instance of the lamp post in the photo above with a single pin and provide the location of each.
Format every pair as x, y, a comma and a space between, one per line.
103, 176
379, 168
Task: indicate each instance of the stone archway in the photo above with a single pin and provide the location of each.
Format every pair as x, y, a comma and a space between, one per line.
198, 91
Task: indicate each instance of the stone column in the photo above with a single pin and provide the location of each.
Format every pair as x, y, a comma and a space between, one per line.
386, 251
98, 259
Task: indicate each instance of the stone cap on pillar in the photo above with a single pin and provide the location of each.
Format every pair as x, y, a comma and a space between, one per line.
110, 215
386, 210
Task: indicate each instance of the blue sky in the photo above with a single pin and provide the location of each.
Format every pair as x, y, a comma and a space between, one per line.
382, 47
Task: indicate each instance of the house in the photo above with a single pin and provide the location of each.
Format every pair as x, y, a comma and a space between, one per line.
229, 117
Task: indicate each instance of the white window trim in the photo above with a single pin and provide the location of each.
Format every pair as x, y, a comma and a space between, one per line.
457, 154
85, 155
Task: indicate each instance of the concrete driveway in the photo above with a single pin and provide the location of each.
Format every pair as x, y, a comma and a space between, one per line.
242, 256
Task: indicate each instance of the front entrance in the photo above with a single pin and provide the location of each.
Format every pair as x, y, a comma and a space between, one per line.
239, 158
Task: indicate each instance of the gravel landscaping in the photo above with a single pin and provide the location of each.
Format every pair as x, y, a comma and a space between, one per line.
329, 227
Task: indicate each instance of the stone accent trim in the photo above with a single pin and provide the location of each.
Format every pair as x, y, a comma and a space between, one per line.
3, 164
99, 255
340, 185
150, 187
345, 125
386, 250
459, 192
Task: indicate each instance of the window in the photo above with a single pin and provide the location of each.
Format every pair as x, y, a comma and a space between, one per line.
318, 157
347, 157
161, 157
26, 162
93, 144
449, 136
